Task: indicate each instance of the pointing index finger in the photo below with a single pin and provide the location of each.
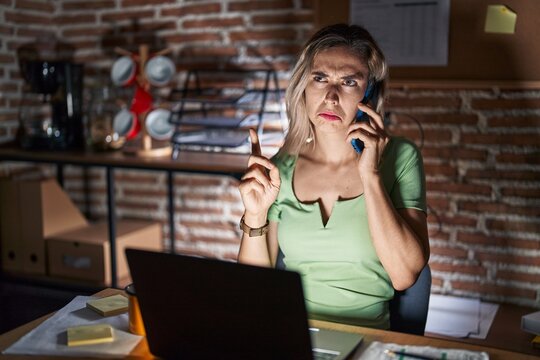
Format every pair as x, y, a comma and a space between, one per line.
255, 144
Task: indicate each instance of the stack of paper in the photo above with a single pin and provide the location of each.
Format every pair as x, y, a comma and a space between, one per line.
459, 317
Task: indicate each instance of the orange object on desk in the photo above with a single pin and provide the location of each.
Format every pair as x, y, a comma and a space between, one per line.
136, 325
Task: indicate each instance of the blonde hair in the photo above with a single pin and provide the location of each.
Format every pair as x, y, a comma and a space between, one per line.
355, 38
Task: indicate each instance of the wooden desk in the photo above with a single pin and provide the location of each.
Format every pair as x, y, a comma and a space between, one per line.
191, 162
370, 335
505, 332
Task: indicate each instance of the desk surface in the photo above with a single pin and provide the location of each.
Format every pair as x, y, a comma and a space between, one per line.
191, 161
370, 335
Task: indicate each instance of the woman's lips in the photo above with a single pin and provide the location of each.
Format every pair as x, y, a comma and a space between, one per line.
329, 116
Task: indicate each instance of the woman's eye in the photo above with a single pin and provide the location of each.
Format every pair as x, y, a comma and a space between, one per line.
350, 82
318, 78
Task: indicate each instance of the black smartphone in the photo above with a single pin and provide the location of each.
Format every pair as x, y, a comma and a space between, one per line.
369, 97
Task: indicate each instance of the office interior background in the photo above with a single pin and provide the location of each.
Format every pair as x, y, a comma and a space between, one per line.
480, 140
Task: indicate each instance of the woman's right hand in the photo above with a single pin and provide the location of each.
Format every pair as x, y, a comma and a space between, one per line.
259, 187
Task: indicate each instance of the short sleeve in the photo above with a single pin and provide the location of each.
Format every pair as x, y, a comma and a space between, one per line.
285, 164
408, 188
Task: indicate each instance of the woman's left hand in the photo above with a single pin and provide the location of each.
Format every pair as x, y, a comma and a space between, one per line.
375, 139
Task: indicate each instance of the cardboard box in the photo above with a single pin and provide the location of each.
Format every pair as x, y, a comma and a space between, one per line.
84, 254
10, 229
32, 210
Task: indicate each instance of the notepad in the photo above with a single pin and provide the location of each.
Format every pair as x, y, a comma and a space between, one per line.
89, 334
108, 306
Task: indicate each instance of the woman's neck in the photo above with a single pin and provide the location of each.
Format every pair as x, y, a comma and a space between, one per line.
332, 148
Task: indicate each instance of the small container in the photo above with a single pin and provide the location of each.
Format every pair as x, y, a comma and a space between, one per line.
136, 325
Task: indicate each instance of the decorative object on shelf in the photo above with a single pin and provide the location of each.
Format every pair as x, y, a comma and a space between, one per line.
143, 70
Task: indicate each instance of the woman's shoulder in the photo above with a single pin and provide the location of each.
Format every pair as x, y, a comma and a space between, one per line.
284, 161
401, 148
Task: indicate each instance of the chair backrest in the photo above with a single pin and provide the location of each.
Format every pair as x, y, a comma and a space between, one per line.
408, 308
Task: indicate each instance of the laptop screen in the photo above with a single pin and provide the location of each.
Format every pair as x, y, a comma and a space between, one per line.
198, 308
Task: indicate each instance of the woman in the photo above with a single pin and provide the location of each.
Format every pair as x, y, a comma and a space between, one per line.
353, 224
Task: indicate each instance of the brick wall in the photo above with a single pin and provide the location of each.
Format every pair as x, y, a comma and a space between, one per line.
480, 143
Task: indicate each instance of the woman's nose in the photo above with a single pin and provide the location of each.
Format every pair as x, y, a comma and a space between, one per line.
332, 96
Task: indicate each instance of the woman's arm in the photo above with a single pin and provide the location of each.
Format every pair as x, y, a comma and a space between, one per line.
260, 250
400, 237
259, 189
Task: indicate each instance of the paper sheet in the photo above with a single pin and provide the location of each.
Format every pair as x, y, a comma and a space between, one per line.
376, 349
409, 32
487, 315
453, 316
50, 337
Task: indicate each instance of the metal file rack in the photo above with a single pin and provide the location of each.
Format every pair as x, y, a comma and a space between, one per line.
218, 116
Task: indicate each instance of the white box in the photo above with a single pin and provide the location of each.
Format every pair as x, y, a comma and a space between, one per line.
531, 323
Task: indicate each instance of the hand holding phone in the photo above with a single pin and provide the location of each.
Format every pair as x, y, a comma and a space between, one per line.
369, 96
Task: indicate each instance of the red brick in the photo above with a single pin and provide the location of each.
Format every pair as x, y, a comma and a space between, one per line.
274, 50
183, 38
498, 208
26, 32
505, 104
437, 282
6, 2
128, 15
454, 152
455, 253
521, 192
439, 119
493, 240
86, 44
500, 139
47, 7
213, 23
514, 121
27, 19
437, 202
6, 58
461, 220
210, 197
134, 205
209, 51
449, 102
86, 31
192, 181
517, 226
6, 30
438, 170
192, 9
138, 178
9, 86
215, 240
211, 225
511, 259
282, 19
458, 268
531, 158
129, 3
493, 289
195, 210
90, 5
9, 116
435, 232
459, 188
270, 34
502, 175
75, 19
518, 276
138, 193
260, 5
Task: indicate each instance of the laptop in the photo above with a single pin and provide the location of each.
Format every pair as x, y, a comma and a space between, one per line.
197, 308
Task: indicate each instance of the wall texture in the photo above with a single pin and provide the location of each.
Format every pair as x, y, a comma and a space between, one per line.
480, 143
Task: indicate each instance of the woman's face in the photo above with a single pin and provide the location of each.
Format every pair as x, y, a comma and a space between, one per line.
337, 83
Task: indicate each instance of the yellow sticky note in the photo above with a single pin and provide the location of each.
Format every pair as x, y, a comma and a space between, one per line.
89, 334
111, 305
500, 19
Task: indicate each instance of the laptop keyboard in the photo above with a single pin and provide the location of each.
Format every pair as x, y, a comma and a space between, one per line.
319, 354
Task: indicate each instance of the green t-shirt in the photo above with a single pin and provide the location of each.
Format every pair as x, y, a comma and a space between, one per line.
343, 279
